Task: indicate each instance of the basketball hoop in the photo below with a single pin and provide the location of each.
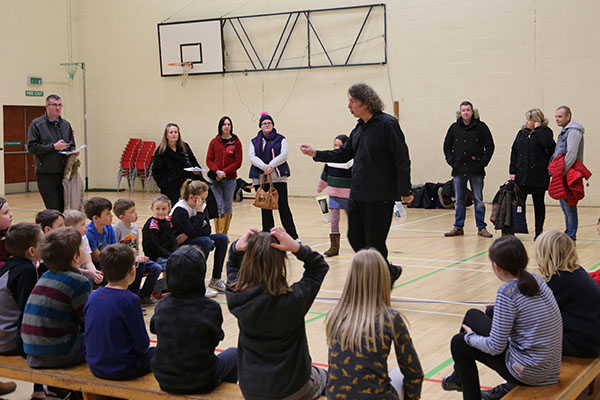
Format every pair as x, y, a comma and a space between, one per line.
71, 69
185, 71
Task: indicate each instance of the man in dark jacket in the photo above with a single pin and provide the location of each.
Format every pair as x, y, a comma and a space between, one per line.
381, 171
49, 135
468, 148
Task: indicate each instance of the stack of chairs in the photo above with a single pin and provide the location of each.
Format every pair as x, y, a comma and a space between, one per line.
144, 164
127, 167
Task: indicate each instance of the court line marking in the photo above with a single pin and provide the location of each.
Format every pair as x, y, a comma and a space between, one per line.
417, 299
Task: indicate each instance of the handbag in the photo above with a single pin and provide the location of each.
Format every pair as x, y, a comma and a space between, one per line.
267, 200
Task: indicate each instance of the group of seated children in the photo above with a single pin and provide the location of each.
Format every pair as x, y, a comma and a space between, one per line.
522, 336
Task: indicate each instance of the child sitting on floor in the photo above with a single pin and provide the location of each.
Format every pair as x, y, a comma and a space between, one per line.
99, 232
76, 219
117, 343
520, 337
576, 293
53, 318
158, 242
127, 233
361, 329
192, 226
188, 328
273, 358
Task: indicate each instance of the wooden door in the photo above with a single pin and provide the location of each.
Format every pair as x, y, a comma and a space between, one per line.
19, 166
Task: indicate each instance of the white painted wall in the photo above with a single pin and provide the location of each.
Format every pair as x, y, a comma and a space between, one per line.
505, 56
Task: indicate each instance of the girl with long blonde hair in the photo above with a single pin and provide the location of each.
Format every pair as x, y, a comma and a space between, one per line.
360, 331
273, 359
576, 293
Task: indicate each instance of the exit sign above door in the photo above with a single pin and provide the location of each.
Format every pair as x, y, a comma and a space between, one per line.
34, 80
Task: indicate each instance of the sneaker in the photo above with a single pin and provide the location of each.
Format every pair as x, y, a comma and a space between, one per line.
484, 233
498, 392
55, 393
148, 301
157, 295
455, 232
449, 383
210, 293
395, 272
217, 284
38, 395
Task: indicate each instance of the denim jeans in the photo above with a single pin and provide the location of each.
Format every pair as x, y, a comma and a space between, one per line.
571, 219
219, 242
227, 366
460, 189
223, 191
153, 270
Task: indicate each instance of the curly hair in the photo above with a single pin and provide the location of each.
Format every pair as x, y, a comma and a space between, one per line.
365, 94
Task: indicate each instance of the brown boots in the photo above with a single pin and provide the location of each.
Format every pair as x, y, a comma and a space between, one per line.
222, 223
334, 248
7, 387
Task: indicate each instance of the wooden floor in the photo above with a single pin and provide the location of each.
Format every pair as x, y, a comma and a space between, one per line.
442, 279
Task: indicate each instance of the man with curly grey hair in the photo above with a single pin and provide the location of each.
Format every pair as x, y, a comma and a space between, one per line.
381, 171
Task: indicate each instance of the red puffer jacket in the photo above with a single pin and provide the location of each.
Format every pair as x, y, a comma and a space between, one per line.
225, 157
569, 186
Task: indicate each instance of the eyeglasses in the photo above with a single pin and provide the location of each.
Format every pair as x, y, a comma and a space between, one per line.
267, 123
54, 105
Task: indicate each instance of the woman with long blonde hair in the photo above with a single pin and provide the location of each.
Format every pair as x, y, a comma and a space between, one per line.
360, 331
576, 293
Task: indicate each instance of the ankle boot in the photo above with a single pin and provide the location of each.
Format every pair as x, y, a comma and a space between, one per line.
226, 223
334, 248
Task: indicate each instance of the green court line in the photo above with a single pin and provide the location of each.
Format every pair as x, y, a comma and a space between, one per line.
439, 270
439, 368
594, 267
315, 318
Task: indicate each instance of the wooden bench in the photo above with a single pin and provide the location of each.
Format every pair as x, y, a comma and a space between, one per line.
80, 378
576, 375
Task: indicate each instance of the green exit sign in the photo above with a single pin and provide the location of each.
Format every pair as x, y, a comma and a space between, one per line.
34, 93
34, 80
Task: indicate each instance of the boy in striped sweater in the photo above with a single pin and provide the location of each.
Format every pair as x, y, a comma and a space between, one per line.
336, 177
53, 317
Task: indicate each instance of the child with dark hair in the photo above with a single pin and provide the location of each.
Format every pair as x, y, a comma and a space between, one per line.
337, 178
50, 220
53, 316
188, 328
127, 233
100, 232
270, 315
520, 337
117, 343
158, 242
17, 279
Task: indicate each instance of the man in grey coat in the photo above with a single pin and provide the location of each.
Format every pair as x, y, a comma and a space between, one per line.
569, 143
49, 135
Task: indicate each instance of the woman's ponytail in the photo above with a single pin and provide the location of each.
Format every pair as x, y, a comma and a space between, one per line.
527, 283
510, 255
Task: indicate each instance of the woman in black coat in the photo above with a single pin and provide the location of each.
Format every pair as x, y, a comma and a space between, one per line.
170, 159
529, 159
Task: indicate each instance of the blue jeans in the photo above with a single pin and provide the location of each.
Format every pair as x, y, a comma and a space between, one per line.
460, 189
153, 270
227, 366
223, 191
571, 219
219, 242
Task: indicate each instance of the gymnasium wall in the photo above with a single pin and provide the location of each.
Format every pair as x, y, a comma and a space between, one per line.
505, 56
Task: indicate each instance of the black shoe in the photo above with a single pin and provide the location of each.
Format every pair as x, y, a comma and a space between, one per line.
498, 392
448, 384
395, 272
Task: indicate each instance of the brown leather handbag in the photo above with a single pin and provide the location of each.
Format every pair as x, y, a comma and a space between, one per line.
268, 200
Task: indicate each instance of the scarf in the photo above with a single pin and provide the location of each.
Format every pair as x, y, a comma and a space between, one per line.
266, 153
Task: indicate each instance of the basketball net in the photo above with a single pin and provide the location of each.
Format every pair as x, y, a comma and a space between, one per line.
71, 69
185, 68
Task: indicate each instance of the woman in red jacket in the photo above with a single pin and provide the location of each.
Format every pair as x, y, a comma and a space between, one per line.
224, 158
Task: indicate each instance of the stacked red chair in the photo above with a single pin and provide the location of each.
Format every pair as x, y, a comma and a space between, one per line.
144, 163
127, 167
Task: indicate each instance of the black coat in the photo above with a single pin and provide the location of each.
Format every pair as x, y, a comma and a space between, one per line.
530, 156
468, 148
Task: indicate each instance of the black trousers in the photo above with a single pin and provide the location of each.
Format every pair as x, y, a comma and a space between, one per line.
285, 214
51, 190
465, 356
539, 208
369, 224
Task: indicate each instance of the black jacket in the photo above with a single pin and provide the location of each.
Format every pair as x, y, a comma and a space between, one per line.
158, 241
273, 358
468, 148
197, 225
188, 328
530, 156
381, 169
168, 169
41, 137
